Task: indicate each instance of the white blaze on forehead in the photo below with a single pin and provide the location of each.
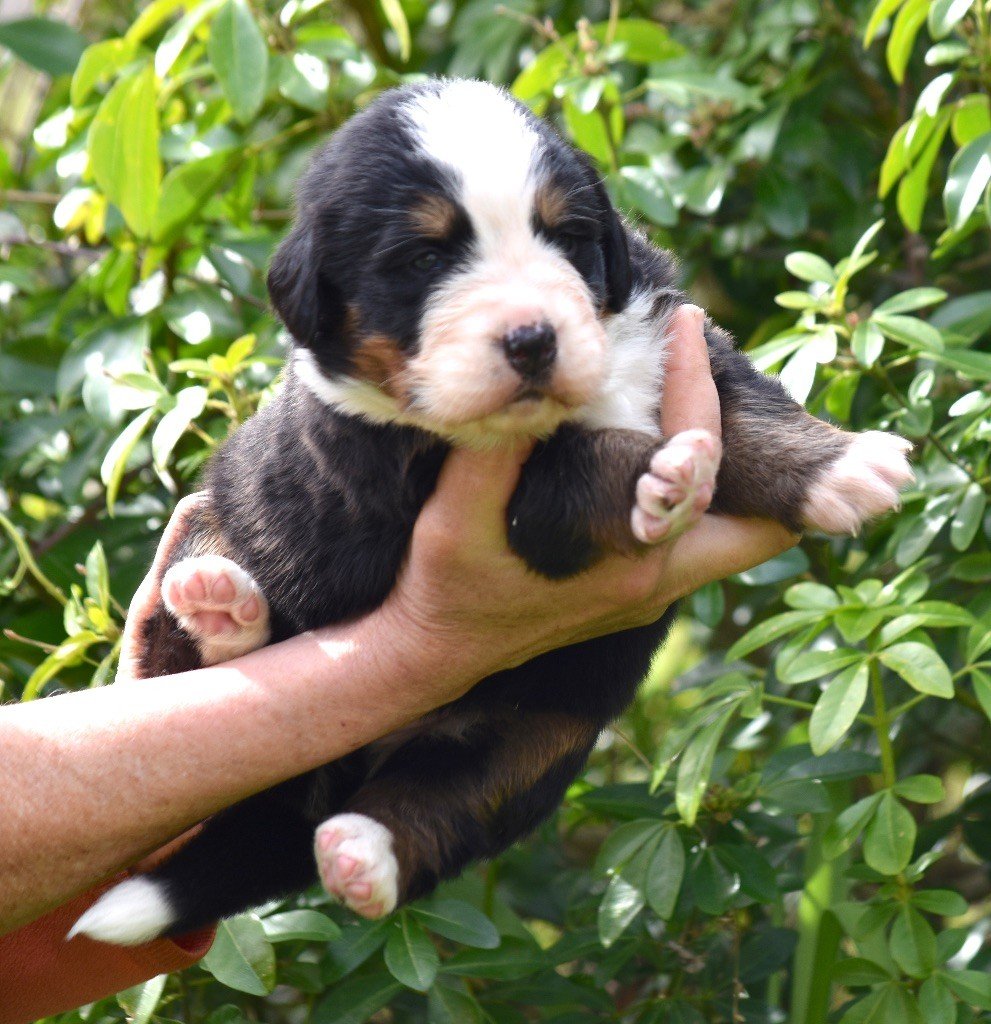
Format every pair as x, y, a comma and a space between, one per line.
477, 129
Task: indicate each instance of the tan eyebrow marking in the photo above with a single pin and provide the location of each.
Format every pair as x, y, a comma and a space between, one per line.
434, 216
379, 360
551, 204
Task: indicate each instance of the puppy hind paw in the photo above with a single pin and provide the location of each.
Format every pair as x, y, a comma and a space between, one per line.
218, 604
678, 487
865, 481
357, 865
129, 914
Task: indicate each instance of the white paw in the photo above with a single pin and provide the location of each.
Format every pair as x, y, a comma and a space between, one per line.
357, 865
678, 488
219, 604
131, 913
862, 483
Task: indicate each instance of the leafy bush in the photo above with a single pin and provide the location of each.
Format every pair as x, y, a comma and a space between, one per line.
793, 823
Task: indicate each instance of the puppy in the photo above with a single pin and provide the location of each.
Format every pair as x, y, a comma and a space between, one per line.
455, 275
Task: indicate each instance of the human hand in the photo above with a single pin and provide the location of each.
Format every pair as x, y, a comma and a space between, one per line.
149, 591
468, 605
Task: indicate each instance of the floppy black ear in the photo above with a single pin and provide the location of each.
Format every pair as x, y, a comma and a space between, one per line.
293, 284
616, 253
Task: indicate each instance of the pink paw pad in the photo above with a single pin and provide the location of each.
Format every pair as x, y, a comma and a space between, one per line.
678, 487
219, 604
357, 865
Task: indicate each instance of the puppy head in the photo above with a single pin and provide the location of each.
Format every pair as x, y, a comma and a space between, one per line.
449, 267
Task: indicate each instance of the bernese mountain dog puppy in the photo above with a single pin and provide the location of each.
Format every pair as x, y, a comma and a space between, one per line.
455, 274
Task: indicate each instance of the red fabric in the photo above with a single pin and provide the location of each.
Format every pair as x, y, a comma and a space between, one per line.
41, 974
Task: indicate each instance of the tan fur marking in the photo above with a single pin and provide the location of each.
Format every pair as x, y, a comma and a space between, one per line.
379, 360
552, 205
434, 216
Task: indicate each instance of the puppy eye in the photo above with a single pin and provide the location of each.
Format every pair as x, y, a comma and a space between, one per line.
427, 262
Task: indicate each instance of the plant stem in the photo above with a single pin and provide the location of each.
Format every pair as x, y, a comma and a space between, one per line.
27, 559
882, 727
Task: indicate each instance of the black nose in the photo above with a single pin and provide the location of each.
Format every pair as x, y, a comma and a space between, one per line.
531, 349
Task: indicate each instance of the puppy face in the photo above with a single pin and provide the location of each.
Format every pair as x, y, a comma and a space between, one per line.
449, 267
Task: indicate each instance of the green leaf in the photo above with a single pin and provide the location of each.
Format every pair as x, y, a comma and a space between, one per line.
913, 944
411, 957
50, 46
811, 596
98, 576
123, 149
241, 957
973, 987
174, 41
944, 902
968, 316
982, 690
771, 629
890, 836
447, 1005
914, 298
972, 118
696, 764
883, 10
920, 789
856, 972
811, 665
906, 27
139, 1003
921, 667
239, 56
115, 461
189, 403
647, 191
969, 174
396, 17
296, 925
843, 831
356, 1001
97, 64
807, 266
619, 906
184, 191
935, 998
837, 708
512, 960
914, 186
968, 517
945, 14
867, 343
459, 922
665, 874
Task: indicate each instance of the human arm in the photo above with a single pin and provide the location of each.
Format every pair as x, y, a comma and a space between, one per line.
96, 779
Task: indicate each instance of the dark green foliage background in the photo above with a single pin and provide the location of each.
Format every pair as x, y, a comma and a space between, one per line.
794, 822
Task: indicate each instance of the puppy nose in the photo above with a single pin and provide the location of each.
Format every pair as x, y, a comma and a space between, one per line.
531, 349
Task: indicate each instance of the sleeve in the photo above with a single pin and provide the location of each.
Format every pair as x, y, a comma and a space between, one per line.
41, 974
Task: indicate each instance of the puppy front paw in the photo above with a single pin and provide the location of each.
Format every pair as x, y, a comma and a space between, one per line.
218, 604
357, 865
677, 488
863, 482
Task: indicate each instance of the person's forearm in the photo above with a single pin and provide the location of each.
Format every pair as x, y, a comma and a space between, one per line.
94, 780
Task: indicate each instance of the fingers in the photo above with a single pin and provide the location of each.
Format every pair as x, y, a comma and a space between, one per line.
690, 397
146, 596
720, 546
474, 489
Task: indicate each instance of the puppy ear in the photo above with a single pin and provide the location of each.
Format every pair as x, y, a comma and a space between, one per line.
293, 284
616, 253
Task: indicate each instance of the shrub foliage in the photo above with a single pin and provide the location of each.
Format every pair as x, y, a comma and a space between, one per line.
794, 821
